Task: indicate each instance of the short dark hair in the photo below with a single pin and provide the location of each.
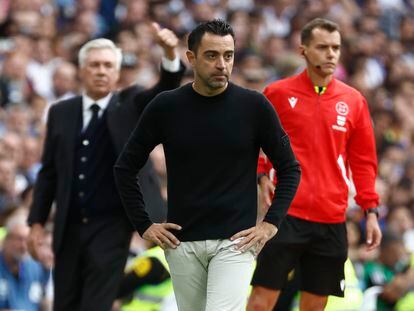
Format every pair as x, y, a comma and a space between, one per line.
306, 34
215, 26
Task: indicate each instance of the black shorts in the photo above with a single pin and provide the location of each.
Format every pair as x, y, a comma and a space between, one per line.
319, 249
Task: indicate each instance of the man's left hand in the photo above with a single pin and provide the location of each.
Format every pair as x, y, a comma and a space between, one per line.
166, 39
256, 236
373, 231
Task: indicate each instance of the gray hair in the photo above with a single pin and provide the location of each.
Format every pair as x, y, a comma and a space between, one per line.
100, 43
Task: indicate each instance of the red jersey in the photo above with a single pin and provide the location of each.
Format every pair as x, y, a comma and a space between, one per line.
330, 133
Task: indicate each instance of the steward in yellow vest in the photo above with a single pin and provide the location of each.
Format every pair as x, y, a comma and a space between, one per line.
147, 282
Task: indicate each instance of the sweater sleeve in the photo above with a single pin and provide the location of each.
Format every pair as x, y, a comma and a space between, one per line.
132, 158
168, 81
363, 160
276, 145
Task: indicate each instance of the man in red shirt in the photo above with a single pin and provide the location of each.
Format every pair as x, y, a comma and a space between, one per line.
329, 126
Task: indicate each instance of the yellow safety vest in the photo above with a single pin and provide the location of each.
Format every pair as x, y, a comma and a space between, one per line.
353, 295
406, 303
150, 297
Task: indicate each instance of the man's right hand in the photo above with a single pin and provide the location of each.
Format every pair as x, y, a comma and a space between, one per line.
160, 235
36, 238
167, 39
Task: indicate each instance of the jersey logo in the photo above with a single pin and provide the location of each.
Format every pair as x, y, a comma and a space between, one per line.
142, 266
342, 108
342, 285
292, 101
340, 120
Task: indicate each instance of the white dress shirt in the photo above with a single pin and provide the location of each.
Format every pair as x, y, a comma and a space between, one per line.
87, 102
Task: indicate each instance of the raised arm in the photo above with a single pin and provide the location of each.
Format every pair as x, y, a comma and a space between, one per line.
172, 69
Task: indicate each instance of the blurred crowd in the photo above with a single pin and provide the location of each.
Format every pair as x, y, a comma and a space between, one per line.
39, 41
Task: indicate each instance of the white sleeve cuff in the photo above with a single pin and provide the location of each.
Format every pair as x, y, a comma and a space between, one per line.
170, 65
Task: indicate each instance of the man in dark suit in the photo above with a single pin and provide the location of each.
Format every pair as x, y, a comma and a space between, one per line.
85, 134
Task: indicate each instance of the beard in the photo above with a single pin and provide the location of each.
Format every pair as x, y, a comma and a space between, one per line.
217, 84
213, 82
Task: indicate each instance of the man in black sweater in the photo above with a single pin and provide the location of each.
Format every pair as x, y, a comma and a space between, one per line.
212, 131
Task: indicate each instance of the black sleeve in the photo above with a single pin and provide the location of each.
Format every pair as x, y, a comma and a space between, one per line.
168, 81
45, 186
132, 158
276, 145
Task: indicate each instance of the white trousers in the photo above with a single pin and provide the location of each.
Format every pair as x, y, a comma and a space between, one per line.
210, 275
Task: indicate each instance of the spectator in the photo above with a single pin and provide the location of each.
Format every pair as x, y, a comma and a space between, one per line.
9, 198
21, 278
400, 220
64, 84
41, 68
30, 163
18, 122
64, 81
15, 87
391, 271
129, 70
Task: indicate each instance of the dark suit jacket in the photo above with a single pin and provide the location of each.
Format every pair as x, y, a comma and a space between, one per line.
55, 177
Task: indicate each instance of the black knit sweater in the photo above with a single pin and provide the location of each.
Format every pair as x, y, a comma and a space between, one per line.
211, 147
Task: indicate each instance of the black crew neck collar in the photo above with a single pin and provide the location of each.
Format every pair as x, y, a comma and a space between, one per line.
209, 98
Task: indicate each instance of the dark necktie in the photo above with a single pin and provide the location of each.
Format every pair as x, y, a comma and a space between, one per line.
94, 120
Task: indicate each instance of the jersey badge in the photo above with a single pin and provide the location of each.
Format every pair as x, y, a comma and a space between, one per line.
142, 266
292, 101
342, 108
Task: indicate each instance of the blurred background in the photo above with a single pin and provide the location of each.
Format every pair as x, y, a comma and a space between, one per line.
39, 41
